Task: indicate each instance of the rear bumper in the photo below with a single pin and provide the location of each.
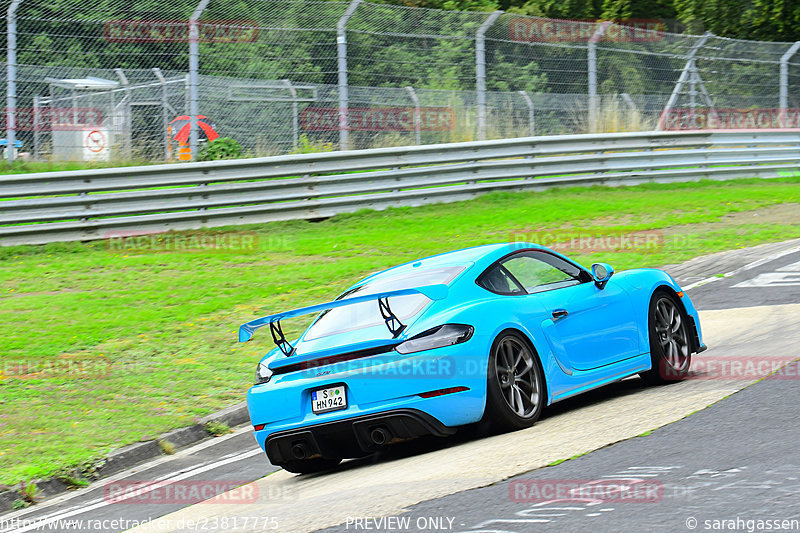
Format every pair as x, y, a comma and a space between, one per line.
344, 437
386, 383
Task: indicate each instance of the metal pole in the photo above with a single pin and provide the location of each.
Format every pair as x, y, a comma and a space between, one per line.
783, 98
186, 92
164, 110
592, 72
480, 71
36, 125
688, 68
11, 73
417, 115
629, 102
295, 114
127, 122
194, 68
344, 95
693, 86
529, 103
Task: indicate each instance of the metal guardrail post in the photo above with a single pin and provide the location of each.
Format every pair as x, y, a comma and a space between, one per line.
592, 73
783, 97
417, 115
529, 103
11, 73
480, 71
194, 68
341, 54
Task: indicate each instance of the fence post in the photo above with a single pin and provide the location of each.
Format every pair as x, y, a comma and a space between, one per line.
36, 124
127, 124
295, 114
164, 110
783, 98
592, 72
11, 73
529, 103
480, 71
194, 68
341, 54
417, 116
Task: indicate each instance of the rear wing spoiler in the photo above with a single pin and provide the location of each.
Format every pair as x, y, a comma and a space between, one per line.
246, 331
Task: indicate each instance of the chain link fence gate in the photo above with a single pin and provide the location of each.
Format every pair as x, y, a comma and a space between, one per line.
121, 80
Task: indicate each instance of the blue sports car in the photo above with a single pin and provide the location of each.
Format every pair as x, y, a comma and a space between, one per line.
489, 334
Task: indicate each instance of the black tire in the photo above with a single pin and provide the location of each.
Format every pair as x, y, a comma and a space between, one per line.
516, 391
670, 343
310, 466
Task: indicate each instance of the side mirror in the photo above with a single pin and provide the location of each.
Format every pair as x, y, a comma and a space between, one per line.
602, 272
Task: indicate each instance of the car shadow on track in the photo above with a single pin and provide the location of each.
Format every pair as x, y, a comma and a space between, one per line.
474, 432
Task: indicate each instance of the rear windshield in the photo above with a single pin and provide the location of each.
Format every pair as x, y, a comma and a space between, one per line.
366, 314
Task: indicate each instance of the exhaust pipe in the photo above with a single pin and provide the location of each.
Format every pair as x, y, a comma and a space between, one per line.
379, 436
299, 451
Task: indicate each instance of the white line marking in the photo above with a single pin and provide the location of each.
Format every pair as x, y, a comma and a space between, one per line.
772, 279
126, 473
794, 267
39, 523
171, 477
748, 266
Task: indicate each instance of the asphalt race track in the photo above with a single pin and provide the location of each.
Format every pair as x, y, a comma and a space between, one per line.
731, 461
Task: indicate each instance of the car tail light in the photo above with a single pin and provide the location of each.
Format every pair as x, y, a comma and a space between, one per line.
438, 337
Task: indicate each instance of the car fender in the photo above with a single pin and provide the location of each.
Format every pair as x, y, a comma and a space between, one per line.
641, 284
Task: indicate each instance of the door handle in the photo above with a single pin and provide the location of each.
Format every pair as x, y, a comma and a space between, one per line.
560, 313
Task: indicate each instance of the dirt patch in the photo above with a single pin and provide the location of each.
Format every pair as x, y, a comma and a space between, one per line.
781, 214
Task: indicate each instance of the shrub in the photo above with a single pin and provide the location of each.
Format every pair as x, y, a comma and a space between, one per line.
217, 428
220, 148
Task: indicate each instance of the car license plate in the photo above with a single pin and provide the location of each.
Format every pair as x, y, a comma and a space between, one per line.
331, 399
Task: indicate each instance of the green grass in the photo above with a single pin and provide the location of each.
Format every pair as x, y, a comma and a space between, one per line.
107, 347
559, 461
21, 167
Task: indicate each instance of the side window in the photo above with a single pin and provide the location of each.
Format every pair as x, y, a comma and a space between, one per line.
530, 272
539, 271
498, 280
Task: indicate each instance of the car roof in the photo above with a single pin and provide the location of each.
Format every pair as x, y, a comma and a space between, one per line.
483, 254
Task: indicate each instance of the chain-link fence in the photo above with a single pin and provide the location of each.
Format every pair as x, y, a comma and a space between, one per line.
123, 80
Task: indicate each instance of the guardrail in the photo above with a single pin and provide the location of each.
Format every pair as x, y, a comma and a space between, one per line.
95, 204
